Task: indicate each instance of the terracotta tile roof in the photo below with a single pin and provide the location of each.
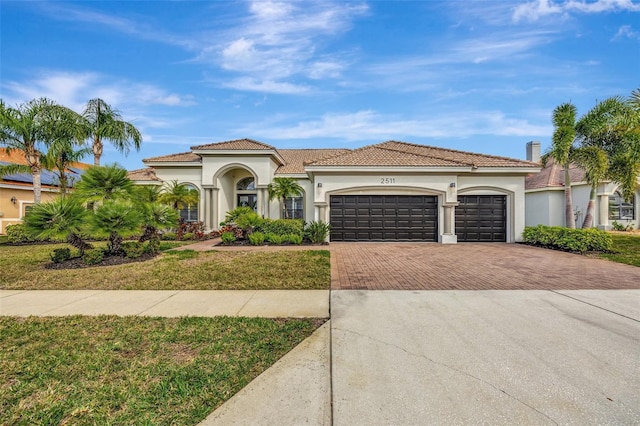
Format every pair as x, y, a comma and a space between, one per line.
144, 175
240, 144
17, 157
552, 176
295, 159
182, 157
393, 153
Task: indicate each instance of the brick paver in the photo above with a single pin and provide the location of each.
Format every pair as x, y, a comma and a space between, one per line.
469, 266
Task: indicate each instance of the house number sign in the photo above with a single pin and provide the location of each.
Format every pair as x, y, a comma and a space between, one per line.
387, 180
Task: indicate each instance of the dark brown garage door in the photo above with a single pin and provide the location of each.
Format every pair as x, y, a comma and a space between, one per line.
481, 218
384, 218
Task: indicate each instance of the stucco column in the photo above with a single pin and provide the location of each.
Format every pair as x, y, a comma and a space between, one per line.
263, 202
603, 212
215, 202
207, 208
448, 235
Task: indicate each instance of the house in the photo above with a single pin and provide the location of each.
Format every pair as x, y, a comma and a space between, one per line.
391, 191
16, 190
544, 197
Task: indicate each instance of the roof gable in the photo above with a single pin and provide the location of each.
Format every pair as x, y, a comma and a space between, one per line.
238, 144
181, 157
296, 159
552, 176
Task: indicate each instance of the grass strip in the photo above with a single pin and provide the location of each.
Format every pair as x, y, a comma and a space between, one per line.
626, 249
22, 267
132, 370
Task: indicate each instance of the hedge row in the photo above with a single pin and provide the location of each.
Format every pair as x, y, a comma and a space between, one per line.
559, 238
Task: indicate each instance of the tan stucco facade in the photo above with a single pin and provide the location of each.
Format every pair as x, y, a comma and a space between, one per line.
14, 201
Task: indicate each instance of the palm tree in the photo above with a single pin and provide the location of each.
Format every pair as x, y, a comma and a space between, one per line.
25, 129
564, 135
59, 157
178, 195
613, 126
105, 123
148, 193
102, 183
595, 163
63, 217
116, 219
282, 188
154, 216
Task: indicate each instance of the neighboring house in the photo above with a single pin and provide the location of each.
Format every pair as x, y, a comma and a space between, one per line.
16, 190
392, 191
545, 197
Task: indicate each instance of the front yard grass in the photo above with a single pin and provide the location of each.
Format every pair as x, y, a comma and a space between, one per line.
133, 370
22, 267
626, 248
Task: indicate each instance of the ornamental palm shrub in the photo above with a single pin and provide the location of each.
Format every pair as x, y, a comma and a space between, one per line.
249, 221
156, 216
116, 219
102, 183
317, 231
61, 218
256, 238
233, 215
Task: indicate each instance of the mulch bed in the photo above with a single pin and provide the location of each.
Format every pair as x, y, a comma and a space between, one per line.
240, 243
77, 263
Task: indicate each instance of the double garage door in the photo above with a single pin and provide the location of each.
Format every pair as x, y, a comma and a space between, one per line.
414, 218
384, 218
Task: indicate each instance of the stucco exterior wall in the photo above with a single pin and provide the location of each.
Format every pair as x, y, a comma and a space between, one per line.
11, 214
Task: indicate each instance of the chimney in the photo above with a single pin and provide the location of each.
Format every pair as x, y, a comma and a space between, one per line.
533, 151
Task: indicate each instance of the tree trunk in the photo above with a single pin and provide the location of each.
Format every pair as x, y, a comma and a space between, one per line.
37, 187
77, 242
284, 208
115, 244
97, 151
570, 220
591, 207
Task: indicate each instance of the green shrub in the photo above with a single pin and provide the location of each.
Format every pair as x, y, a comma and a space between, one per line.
60, 255
188, 236
282, 226
256, 238
576, 240
317, 232
276, 239
18, 234
617, 226
152, 246
228, 237
133, 249
93, 257
294, 239
169, 236
249, 221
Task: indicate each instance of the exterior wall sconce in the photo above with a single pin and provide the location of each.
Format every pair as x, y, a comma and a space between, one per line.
452, 185
319, 184
14, 200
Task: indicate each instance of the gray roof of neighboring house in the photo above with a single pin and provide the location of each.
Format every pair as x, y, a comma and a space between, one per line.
47, 177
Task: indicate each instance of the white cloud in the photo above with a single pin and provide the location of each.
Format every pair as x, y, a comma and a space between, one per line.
368, 124
265, 86
626, 31
534, 10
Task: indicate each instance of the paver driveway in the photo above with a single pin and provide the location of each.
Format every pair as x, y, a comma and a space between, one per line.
469, 266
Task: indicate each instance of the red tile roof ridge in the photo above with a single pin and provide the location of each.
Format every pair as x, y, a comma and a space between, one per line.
458, 151
253, 141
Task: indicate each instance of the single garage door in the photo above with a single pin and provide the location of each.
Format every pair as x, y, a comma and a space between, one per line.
384, 218
481, 218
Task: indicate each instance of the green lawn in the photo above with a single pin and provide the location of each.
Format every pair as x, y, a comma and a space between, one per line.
626, 249
22, 267
133, 370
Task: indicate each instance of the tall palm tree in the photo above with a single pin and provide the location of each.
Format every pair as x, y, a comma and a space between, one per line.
613, 126
105, 123
59, 157
282, 188
564, 135
25, 129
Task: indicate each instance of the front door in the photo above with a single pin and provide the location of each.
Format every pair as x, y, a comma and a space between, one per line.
248, 200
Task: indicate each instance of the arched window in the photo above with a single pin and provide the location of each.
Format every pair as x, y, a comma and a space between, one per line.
189, 212
246, 184
619, 209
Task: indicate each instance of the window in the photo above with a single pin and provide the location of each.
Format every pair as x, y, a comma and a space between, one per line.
619, 209
189, 213
246, 184
295, 207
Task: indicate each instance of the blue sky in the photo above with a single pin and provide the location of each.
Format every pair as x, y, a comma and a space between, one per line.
481, 76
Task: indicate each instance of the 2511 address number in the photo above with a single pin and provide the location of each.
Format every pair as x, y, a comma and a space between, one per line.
387, 181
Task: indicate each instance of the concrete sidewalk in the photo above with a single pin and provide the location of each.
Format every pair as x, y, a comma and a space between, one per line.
167, 303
